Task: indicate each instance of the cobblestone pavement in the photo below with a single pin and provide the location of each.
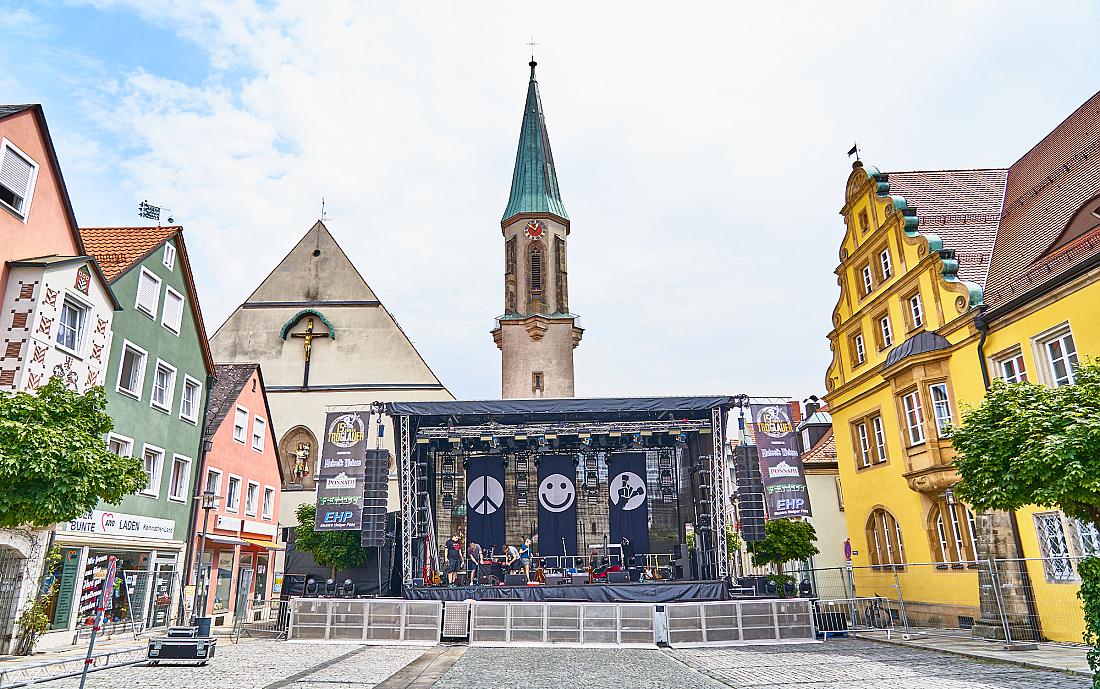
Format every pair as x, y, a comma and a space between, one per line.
571, 668
256, 664
864, 665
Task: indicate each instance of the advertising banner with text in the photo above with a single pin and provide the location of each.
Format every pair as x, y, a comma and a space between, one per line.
340, 479
781, 469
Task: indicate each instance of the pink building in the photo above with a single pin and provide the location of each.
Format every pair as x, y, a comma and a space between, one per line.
241, 467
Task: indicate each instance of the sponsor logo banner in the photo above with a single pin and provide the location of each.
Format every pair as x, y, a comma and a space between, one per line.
340, 479
781, 468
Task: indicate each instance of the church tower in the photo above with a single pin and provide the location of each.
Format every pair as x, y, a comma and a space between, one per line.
537, 333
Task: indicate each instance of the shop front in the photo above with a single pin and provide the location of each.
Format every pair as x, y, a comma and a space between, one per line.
236, 570
146, 590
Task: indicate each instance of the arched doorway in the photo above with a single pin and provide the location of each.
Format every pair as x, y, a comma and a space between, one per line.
298, 452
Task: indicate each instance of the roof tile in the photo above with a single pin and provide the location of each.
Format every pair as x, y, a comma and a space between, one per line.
118, 248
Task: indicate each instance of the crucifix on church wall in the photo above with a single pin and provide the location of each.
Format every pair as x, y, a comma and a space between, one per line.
307, 346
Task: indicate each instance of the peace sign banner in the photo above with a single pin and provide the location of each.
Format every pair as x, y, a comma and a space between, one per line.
628, 500
485, 502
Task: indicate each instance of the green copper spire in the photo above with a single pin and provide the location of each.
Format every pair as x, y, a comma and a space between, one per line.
534, 181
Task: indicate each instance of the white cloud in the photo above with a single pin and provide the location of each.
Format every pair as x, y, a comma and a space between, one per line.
700, 149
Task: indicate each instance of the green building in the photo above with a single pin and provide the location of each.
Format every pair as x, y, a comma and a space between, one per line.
158, 374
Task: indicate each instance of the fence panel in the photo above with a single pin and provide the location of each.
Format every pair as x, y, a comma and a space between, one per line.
1040, 599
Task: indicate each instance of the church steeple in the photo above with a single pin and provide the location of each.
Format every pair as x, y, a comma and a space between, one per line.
534, 180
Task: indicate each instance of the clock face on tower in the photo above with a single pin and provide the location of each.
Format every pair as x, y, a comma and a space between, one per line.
535, 229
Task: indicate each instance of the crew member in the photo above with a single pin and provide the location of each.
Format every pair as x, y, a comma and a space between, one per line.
454, 559
525, 558
473, 552
511, 557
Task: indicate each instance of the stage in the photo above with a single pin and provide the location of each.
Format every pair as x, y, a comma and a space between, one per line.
650, 592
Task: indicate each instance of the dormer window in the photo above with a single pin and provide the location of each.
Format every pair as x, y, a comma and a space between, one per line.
17, 176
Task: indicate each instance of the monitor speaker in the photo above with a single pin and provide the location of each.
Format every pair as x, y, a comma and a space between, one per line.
618, 577
515, 580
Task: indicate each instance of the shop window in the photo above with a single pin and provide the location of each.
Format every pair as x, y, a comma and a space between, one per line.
954, 530
131, 374
179, 478
164, 384
941, 408
240, 424
152, 462
914, 417
224, 580
233, 494
884, 542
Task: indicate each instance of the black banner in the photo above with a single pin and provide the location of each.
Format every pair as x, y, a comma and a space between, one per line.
780, 461
485, 502
628, 500
340, 480
557, 505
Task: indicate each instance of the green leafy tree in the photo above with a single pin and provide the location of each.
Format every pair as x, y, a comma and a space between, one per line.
1028, 444
332, 549
784, 540
54, 461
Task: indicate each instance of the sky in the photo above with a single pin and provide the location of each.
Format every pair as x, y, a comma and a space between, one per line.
700, 148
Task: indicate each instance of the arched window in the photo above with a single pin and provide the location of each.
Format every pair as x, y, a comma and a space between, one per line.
884, 544
953, 532
534, 272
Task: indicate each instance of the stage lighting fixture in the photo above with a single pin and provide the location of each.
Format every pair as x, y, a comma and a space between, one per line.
448, 465
667, 497
448, 484
520, 438
636, 442
664, 460
521, 500
591, 462
521, 482
584, 436
666, 478
486, 438
423, 441
454, 439
448, 502
543, 445
646, 433
614, 434
591, 478
522, 462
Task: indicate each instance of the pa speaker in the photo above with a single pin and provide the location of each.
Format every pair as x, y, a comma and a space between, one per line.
515, 580
618, 577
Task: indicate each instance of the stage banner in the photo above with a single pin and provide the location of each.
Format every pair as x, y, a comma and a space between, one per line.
340, 478
485, 502
781, 469
628, 504
557, 505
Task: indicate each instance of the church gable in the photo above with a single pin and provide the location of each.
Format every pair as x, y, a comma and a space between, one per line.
316, 269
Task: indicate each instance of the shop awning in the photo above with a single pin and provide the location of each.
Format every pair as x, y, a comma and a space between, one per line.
226, 540
266, 544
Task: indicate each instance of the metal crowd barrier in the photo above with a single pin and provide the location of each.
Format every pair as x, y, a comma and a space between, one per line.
563, 624
368, 621
740, 622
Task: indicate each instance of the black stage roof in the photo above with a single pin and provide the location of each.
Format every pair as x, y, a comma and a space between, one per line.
563, 409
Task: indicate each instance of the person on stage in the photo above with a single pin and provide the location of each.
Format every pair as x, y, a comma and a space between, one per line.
473, 551
454, 559
511, 557
525, 558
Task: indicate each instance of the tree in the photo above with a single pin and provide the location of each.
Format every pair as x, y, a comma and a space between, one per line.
1028, 444
54, 461
332, 549
784, 540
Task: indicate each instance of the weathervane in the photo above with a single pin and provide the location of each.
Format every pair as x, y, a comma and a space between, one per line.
150, 212
323, 216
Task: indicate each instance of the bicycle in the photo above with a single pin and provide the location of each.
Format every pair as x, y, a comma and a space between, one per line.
876, 615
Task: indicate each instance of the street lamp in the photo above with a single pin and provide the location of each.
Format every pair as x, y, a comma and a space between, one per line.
209, 500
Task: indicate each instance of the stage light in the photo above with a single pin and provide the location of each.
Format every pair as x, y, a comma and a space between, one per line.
486, 438
521, 463
646, 433
666, 478
520, 438
448, 484
591, 462
521, 482
667, 497
521, 500
543, 445
584, 436
448, 502
591, 478
448, 465
454, 439
423, 441
614, 434
664, 460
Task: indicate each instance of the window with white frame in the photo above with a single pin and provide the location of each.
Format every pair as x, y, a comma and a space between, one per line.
148, 293
240, 424
860, 348
259, 426
916, 311
868, 280
120, 445
252, 498
1057, 562
172, 317
17, 177
1010, 368
864, 444
1060, 353
131, 371
914, 417
885, 265
1086, 538
169, 255
941, 408
269, 502
179, 478
189, 399
73, 325
880, 438
886, 331
213, 481
164, 384
153, 463
233, 494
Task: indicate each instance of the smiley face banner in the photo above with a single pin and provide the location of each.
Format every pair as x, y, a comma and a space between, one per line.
557, 492
628, 493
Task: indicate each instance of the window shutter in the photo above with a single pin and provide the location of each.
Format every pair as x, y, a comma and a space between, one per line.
148, 292
15, 173
173, 310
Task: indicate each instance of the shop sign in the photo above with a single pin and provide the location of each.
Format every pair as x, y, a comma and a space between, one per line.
227, 523
105, 523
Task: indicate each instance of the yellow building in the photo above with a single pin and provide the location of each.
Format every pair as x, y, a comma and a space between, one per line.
947, 279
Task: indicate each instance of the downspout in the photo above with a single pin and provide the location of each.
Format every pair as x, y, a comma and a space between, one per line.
983, 332
200, 471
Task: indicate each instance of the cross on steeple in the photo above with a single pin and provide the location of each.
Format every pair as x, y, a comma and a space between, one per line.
531, 44
307, 345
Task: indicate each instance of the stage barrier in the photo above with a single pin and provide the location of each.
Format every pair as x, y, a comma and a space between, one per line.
563, 624
367, 621
736, 623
